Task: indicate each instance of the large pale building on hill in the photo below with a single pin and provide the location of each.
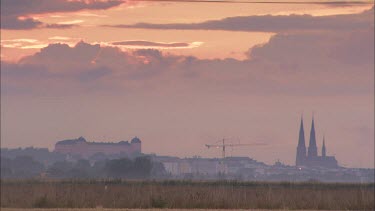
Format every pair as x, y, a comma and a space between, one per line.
310, 157
81, 147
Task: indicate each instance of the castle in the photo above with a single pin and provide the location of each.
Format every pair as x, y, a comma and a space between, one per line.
311, 158
81, 147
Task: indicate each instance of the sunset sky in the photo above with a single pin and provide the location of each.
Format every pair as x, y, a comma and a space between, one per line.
180, 75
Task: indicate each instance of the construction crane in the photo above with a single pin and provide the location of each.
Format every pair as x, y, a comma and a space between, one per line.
223, 146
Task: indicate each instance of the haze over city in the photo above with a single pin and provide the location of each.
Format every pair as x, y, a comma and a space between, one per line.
112, 70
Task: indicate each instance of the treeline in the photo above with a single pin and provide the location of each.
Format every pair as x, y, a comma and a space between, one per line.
27, 167
42, 155
20, 167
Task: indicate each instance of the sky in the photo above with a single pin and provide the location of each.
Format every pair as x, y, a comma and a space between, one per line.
180, 75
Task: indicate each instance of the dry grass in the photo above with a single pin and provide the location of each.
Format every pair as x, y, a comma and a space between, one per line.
190, 195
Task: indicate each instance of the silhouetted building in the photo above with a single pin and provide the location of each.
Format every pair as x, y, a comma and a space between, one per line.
312, 159
324, 148
86, 149
312, 150
301, 148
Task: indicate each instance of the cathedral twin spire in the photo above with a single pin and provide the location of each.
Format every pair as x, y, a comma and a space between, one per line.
301, 148
312, 151
324, 147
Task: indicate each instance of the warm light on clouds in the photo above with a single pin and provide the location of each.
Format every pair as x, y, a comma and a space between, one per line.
71, 22
176, 73
86, 14
143, 44
61, 38
21, 40
39, 46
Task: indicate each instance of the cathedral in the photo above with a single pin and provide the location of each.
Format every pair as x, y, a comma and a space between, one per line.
310, 158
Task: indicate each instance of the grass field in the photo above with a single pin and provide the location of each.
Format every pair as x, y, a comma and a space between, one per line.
186, 194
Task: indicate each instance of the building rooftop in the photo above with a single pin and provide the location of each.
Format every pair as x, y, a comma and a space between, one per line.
71, 141
135, 140
81, 139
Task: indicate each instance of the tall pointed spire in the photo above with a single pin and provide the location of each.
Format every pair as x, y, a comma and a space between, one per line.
324, 147
301, 148
301, 138
312, 150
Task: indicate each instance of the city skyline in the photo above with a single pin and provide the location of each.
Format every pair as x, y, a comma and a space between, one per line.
184, 77
315, 148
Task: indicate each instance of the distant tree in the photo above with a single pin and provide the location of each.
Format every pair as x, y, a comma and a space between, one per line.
158, 170
99, 169
125, 168
83, 164
59, 169
142, 167
139, 168
6, 167
41, 155
119, 168
81, 169
20, 167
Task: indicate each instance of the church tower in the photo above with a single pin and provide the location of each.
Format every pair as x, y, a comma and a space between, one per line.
312, 150
301, 148
324, 148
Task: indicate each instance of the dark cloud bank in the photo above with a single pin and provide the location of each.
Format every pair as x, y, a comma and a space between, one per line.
12, 10
269, 23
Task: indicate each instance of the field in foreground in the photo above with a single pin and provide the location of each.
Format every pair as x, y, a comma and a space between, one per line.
186, 194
